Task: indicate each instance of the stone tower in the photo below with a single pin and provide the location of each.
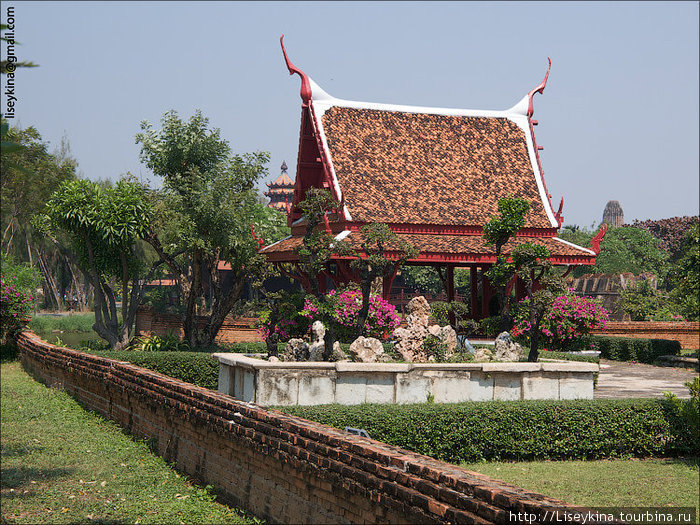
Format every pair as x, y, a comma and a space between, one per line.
613, 214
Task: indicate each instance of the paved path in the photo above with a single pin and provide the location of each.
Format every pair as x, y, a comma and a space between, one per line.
619, 379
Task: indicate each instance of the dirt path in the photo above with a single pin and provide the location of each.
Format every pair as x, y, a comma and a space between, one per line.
619, 380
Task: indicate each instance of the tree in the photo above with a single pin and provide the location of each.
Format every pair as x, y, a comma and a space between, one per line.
103, 227
498, 231
532, 265
685, 276
204, 213
377, 239
30, 175
640, 300
318, 247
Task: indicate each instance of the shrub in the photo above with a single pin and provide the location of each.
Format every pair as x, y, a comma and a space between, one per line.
16, 305
520, 430
73, 322
568, 321
344, 307
198, 368
633, 349
688, 412
156, 343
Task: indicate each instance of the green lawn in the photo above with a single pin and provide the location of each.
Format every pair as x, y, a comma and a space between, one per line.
605, 483
61, 464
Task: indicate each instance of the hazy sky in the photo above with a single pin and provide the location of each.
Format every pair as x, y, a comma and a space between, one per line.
618, 119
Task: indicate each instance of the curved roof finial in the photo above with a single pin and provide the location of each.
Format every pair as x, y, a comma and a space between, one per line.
305, 85
539, 89
595, 241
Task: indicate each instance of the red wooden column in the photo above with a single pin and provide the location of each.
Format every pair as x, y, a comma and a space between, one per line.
451, 290
486, 293
473, 283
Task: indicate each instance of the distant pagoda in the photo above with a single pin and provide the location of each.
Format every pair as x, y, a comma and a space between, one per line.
281, 191
613, 214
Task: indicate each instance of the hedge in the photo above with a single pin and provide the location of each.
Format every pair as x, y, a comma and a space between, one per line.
519, 430
193, 367
633, 349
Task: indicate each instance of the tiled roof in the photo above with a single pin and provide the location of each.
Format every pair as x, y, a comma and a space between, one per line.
451, 244
401, 167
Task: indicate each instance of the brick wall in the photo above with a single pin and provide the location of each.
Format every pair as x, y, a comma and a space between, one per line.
280, 467
240, 330
687, 334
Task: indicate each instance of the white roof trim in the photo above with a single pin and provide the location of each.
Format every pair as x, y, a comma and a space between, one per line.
574, 245
271, 245
322, 102
342, 235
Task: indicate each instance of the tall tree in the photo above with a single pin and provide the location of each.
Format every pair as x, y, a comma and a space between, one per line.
30, 174
204, 212
103, 227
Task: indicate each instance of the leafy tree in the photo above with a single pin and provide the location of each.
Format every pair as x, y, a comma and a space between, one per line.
543, 285
640, 300
671, 232
30, 174
103, 227
377, 239
628, 249
685, 276
204, 213
318, 246
498, 231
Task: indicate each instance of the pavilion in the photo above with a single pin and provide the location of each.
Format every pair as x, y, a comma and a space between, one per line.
434, 175
281, 190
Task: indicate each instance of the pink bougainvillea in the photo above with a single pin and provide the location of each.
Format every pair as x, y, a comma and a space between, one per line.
344, 307
568, 320
15, 306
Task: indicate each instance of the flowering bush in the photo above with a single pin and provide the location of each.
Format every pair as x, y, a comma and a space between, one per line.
569, 319
284, 319
343, 309
15, 306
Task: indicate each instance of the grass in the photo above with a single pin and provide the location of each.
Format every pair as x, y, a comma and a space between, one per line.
61, 464
605, 483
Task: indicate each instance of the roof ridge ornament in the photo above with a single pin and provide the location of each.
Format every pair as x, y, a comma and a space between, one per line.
539, 89
595, 241
305, 84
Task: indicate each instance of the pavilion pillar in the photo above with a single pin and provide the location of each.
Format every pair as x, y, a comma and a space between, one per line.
473, 283
486, 293
387, 283
451, 291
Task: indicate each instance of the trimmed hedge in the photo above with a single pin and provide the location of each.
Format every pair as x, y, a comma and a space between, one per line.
633, 349
519, 430
193, 367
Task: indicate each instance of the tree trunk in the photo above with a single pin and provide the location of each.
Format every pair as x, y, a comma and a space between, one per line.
366, 288
189, 320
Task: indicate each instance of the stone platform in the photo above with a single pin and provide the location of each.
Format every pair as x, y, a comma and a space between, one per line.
316, 383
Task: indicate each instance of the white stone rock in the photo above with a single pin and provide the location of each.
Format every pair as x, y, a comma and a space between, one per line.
366, 349
507, 349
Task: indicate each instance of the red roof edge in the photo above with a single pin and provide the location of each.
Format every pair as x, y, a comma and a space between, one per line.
305, 85
530, 111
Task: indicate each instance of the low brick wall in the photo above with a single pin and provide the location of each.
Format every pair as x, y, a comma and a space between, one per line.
687, 334
239, 330
280, 467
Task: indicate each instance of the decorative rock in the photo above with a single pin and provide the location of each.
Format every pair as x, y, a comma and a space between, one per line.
318, 331
338, 354
418, 312
273, 359
408, 341
296, 350
483, 354
366, 349
507, 349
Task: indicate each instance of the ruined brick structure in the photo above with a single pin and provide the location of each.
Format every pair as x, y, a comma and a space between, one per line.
279, 467
613, 214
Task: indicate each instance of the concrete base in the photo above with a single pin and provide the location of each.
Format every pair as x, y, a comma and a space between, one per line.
316, 383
